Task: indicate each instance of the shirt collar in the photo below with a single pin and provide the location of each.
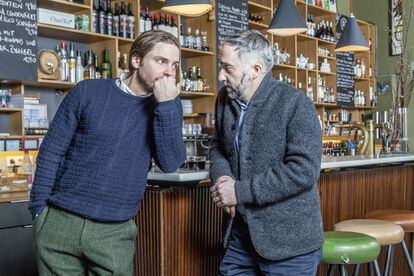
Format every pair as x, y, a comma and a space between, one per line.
122, 85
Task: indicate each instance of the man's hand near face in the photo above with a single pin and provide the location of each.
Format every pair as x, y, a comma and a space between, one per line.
165, 89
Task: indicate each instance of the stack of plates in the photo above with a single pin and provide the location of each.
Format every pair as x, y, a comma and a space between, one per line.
187, 106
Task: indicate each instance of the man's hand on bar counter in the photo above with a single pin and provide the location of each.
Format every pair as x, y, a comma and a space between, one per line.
224, 194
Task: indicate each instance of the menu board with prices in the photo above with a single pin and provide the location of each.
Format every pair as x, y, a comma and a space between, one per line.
18, 39
232, 18
345, 83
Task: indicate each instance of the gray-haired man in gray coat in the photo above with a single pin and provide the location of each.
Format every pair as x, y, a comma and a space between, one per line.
265, 165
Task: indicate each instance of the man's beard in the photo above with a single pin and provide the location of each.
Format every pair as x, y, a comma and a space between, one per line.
143, 82
238, 92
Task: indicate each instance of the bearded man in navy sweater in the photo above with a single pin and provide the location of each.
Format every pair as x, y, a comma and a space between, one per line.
93, 163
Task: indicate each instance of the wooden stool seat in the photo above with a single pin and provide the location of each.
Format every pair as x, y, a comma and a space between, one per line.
385, 232
404, 218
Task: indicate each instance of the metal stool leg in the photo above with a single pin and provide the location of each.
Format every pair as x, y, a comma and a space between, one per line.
377, 269
344, 272
389, 262
370, 267
331, 269
407, 257
357, 268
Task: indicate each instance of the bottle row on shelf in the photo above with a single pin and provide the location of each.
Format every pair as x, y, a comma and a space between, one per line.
118, 23
77, 67
323, 30
194, 81
329, 5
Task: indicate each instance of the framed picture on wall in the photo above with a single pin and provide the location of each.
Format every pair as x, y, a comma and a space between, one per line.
396, 27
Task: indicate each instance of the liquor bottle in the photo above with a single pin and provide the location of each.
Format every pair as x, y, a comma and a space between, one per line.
125, 64
142, 21
89, 72
204, 43
98, 74
309, 91
154, 21
183, 37
115, 20
161, 23
28, 167
148, 22
109, 19
363, 68
174, 27
197, 40
131, 23
123, 18
189, 39
72, 64
167, 24
95, 17
106, 68
102, 17
79, 67
64, 69
183, 82
200, 81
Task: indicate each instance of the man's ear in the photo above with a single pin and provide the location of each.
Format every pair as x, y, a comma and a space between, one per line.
135, 61
256, 70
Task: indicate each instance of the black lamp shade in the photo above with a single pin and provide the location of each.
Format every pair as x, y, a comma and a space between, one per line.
287, 20
351, 38
187, 7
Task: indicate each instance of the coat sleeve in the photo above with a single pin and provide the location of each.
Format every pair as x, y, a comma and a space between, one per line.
301, 167
219, 165
169, 152
54, 147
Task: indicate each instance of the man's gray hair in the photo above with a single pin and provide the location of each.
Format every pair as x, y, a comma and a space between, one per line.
252, 46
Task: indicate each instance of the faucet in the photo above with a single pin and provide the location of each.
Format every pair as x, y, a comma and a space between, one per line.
365, 131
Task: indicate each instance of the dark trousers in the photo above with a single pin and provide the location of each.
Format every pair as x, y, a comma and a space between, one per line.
242, 259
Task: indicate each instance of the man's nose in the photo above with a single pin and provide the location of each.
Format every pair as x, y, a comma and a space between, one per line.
221, 76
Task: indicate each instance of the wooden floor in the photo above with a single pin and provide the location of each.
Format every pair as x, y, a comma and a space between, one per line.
179, 229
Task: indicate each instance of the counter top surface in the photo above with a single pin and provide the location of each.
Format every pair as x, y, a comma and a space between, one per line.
364, 160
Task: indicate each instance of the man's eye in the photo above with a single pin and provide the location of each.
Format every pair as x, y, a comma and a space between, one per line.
175, 66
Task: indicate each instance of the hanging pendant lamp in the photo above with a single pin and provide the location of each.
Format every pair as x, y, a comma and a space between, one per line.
351, 39
190, 8
287, 20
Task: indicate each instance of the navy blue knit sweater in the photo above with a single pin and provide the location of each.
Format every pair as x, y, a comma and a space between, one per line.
95, 157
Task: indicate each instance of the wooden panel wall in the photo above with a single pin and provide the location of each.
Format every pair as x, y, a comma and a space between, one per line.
179, 233
179, 229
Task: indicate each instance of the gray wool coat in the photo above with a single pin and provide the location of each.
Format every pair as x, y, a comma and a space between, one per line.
280, 158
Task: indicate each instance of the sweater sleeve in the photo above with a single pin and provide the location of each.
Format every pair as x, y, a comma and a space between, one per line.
169, 152
54, 147
301, 167
219, 165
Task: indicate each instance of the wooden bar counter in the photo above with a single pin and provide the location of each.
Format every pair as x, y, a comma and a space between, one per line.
179, 227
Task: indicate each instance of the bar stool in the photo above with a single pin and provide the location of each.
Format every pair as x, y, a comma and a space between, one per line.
386, 233
404, 218
345, 248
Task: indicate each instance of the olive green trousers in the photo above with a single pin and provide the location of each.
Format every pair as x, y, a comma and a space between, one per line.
68, 244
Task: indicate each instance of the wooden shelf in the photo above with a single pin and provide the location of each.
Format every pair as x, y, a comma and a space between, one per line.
331, 58
191, 53
191, 115
10, 110
309, 70
360, 107
51, 84
326, 73
9, 137
285, 66
322, 41
256, 25
305, 37
326, 104
189, 95
63, 6
318, 10
77, 35
361, 79
255, 8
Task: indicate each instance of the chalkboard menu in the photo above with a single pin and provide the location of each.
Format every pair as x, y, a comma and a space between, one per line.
345, 83
231, 18
18, 40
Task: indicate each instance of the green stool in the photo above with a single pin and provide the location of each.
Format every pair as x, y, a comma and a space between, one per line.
345, 248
